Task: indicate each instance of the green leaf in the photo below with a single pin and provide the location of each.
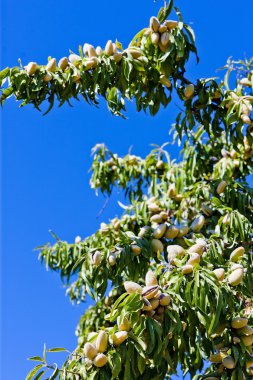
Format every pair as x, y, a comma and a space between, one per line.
165, 11
6, 94
4, 74
137, 38
36, 358
33, 371
141, 364
116, 362
54, 374
57, 349
39, 375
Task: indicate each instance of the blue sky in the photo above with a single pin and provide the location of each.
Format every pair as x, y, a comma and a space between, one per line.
45, 160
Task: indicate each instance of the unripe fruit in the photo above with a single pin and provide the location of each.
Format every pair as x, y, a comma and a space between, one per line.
164, 215
74, 58
78, 239
97, 258
238, 322
153, 207
114, 48
124, 325
171, 232
88, 64
246, 330
183, 231
51, 66
162, 28
86, 48
198, 223
228, 362
135, 249
175, 251
217, 358
221, 187
162, 47
246, 119
178, 197
159, 231
196, 248
154, 303
150, 278
156, 246
119, 337
172, 190
112, 259
90, 351
147, 305
155, 37
189, 90
206, 209
134, 52
47, 78
91, 51
109, 48
102, 341
99, 50
117, 57
235, 278
164, 80
100, 360
156, 219
249, 364
165, 38
237, 254
132, 287
31, 68
219, 273
247, 340
154, 24
187, 269
236, 340
171, 24
164, 299
194, 259
63, 63
150, 291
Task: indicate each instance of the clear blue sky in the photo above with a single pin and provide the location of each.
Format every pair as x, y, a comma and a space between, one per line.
46, 159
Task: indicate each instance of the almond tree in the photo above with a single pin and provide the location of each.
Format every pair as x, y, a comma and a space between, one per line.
179, 260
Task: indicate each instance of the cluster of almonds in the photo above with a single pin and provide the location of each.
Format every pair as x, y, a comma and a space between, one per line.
95, 352
237, 271
160, 33
154, 301
242, 104
90, 61
241, 333
161, 229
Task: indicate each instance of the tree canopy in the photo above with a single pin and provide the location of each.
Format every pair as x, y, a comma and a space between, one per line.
172, 278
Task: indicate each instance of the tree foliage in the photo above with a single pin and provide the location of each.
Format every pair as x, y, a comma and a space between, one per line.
172, 278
